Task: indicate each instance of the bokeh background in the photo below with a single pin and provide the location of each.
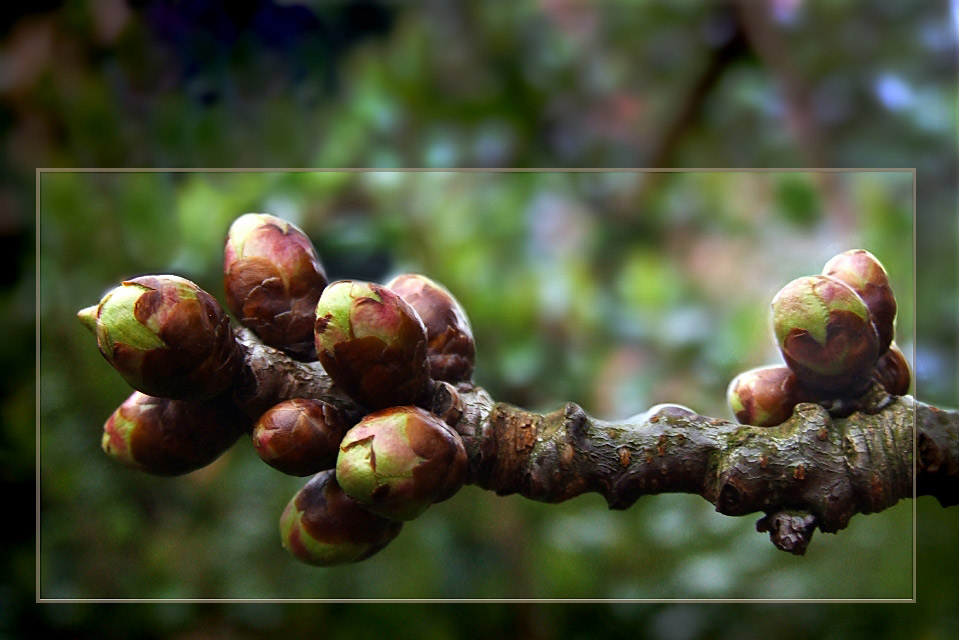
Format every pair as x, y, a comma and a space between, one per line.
615, 290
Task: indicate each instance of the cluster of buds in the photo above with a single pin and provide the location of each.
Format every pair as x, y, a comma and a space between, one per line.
390, 349
173, 343
835, 332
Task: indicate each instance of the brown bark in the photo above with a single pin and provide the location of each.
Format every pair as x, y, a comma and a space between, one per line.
269, 376
813, 471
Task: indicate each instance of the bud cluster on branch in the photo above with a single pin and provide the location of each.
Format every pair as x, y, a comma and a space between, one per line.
368, 389
835, 334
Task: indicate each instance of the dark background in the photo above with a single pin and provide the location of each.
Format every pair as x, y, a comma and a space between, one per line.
544, 84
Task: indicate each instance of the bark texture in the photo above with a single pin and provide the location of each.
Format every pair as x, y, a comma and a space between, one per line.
813, 471
269, 376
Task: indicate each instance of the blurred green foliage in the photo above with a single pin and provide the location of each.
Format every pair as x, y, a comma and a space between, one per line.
615, 290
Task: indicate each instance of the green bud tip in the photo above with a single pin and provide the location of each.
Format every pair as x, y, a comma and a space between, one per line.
117, 321
88, 318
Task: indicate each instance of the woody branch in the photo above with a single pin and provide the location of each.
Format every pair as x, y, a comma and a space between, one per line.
813, 471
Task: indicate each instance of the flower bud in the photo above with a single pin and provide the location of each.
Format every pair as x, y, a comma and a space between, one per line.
399, 461
372, 344
167, 338
272, 279
167, 437
825, 334
867, 277
323, 526
765, 396
451, 349
300, 436
892, 371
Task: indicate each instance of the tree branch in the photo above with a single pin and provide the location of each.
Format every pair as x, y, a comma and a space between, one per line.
269, 376
813, 471
689, 109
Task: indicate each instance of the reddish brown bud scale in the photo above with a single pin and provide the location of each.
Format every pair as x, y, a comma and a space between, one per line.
372, 344
867, 277
301, 436
765, 396
399, 461
447, 405
167, 437
892, 371
167, 338
825, 334
323, 526
452, 351
273, 278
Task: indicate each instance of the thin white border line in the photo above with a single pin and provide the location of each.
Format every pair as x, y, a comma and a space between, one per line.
484, 601
41, 170
36, 381
470, 170
915, 390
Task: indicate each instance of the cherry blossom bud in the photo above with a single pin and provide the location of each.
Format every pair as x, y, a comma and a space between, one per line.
372, 344
825, 334
166, 337
451, 349
892, 371
765, 396
323, 526
399, 461
867, 277
273, 278
167, 437
301, 436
